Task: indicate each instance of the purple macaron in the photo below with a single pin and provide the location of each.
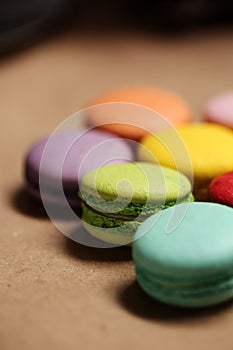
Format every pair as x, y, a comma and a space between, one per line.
59, 161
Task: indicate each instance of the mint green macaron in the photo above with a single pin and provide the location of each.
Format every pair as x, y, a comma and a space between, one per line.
184, 255
117, 198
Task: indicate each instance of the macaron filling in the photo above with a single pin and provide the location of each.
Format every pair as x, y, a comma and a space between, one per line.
103, 221
131, 221
120, 197
209, 292
133, 209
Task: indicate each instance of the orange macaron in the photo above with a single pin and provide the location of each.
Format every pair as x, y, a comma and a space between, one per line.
132, 112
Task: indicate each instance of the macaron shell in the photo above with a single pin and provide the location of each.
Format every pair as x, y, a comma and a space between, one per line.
115, 187
192, 260
66, 156
198, 298
221, 189
128, 122
116, 231
113, 237
185, 253
208, 146
117, 198
219, 109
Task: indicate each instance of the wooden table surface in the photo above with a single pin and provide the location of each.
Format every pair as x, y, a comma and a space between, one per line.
57, 294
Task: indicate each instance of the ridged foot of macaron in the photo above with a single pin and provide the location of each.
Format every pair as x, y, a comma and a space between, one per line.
188, 263
118, 198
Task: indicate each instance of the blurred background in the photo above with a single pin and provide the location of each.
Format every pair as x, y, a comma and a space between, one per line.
23, 22
55, 57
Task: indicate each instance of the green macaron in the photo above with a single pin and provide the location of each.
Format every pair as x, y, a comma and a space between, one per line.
116, 199
183, 257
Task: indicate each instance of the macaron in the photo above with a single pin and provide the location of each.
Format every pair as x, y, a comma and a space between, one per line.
221, 189
219, 109
153, 109
55, 164
189, 264
117, 198
209, 147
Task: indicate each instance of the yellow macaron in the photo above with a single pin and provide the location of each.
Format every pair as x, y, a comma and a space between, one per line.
199, 150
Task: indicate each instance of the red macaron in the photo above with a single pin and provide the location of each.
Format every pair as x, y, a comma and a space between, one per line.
221, 189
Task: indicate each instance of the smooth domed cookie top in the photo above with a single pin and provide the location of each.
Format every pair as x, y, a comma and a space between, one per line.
209, 147
221, 189
133, 123
219, 109
134, 182
70, 154
200, 246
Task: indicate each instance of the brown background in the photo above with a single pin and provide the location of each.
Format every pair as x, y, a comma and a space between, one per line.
54, 293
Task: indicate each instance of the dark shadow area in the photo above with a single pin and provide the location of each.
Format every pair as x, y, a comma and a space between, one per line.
36, 20
163, 17
91, 249
181, 16
27, 205
83, 252
137, 302
22, 25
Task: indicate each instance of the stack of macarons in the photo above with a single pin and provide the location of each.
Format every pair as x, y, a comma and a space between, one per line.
65, 156
118, 198
55, 164
133, 168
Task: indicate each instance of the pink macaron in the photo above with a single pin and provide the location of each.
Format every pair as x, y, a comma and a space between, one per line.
219, 109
